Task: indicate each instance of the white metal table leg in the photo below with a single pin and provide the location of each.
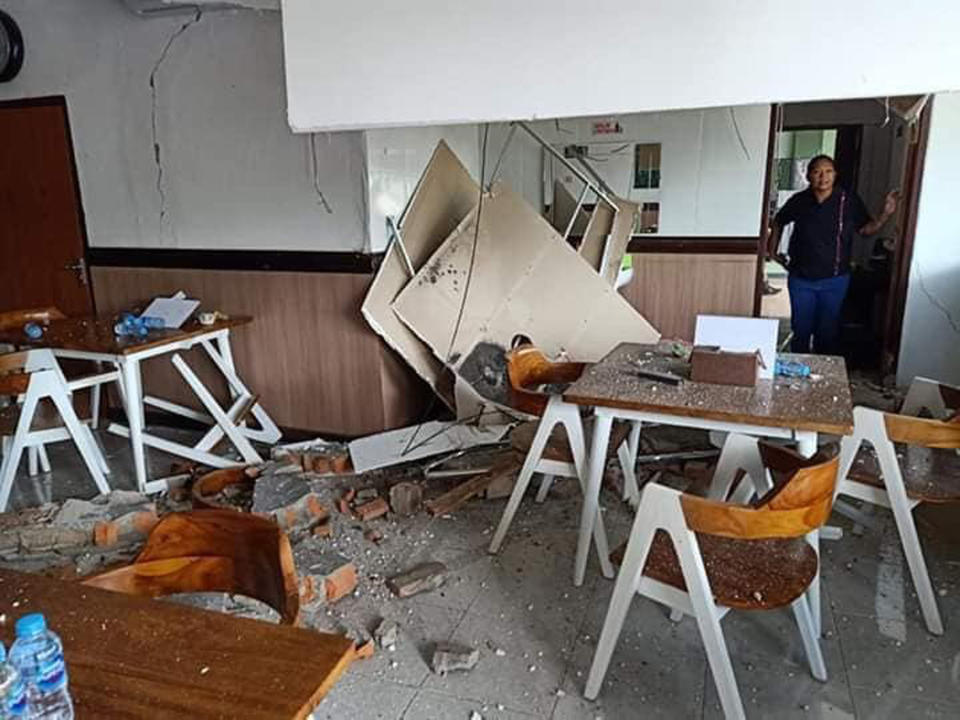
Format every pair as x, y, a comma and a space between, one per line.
133, 400
591, 491
807, 446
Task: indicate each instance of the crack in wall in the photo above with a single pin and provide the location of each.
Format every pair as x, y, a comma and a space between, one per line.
936, 303
157, 155
315, 174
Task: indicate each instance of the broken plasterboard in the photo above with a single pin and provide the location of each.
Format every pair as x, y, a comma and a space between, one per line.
525, 281
562, 209
620, 234
418, 442
443, 196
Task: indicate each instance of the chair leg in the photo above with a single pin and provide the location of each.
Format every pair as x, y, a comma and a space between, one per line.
95, 405
708, 622
547, 423
903, 515
641, 537
101, 457
14, 449
631, 491
88, 450
545, 484
32, 465
590, 473
44, 459
810, 638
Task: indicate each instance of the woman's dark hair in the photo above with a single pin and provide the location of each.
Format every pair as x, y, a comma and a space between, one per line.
819, 158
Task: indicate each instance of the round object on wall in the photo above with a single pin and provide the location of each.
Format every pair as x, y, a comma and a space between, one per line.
11, 48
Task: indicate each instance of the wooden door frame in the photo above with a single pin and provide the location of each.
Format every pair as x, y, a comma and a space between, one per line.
903, 251
60, 101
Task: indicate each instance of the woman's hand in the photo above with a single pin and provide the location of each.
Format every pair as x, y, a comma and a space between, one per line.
890, 203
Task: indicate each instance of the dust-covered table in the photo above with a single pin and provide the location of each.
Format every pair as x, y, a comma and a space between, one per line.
132, 657
788, 408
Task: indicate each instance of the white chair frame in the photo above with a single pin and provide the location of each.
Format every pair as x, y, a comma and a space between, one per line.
660, 508
47, 381
869, 426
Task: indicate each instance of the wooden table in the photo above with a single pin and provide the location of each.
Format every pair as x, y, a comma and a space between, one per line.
785, 408
94, 339
131, 657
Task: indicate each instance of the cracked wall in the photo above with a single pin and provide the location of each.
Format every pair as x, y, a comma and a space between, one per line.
931, 323
180, 134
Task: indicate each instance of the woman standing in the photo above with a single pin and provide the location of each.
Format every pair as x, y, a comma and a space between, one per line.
825, 218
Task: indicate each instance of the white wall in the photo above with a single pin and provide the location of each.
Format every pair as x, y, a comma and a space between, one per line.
233, 175
711, 185
931, 324
368, 63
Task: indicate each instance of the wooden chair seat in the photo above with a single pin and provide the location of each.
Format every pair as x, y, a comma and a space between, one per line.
929, 474
743, 574
45, 418
557, 446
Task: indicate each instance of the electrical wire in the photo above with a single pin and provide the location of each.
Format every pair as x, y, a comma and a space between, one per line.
466, 287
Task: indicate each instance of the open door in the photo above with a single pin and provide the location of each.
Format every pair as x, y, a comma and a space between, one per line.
42, 234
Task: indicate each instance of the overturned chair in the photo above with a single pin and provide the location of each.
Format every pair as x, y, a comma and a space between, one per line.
706, 556
915, 461
536, 389
213, 551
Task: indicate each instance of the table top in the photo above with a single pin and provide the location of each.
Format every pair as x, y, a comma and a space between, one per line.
95, 335
821, 403
132, 657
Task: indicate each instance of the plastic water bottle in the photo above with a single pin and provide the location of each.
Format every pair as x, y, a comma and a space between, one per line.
38, 654
33, 331
137, 326
13, 694
792, 368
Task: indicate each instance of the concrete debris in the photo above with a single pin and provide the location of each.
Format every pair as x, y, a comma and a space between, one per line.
304, 512
329, 578
406, 498
86, 513
372, 510
365, 495
386, 634
133, 527
448, 657
273, 491
420, 579
474, 715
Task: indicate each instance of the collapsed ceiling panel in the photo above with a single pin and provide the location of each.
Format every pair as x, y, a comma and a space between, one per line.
523, 280
444, 195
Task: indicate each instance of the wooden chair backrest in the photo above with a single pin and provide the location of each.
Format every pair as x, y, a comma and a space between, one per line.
922, 431
18, 318
213, 551
799, 502
527, 368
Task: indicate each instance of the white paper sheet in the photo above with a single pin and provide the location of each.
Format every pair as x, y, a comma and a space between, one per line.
741, 334
174, 311
432, 438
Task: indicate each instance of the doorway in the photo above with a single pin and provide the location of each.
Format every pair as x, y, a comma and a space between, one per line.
875, 144
42, 235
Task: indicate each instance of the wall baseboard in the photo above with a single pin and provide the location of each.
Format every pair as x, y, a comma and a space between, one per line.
263, 260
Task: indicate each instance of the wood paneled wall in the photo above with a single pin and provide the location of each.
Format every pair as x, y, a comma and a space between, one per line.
309, 354
671, 289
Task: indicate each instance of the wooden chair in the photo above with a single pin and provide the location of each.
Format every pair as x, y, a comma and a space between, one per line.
213, 551
34, 376
535, 389
929, 470
705, 556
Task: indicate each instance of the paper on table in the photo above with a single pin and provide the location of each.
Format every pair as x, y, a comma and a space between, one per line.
741, 334
173, 311
432, 438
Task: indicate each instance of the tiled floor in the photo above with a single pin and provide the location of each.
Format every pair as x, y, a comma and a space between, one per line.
536, 633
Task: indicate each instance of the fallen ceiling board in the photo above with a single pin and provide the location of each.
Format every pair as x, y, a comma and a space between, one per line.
623, 225
444, 195
526, 280
595, 237
418, 442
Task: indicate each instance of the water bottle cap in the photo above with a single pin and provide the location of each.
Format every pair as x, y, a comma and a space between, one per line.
31, 624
